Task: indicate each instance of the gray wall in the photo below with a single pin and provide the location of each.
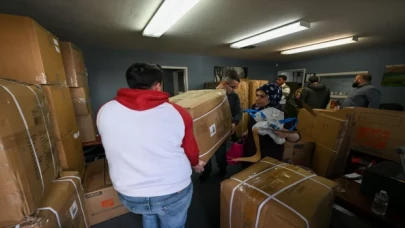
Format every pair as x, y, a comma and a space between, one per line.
373, 60
106, 69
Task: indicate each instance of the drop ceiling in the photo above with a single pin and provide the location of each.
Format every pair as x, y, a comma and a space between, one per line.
209, 27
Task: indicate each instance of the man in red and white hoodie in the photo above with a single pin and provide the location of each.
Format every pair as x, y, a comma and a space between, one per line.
150, 148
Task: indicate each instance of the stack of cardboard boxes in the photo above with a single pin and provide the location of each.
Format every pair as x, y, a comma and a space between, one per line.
330, 131
39, 134
371, 131
40, 141
76, 75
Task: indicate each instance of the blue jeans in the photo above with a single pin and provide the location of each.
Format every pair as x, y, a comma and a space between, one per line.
169, 211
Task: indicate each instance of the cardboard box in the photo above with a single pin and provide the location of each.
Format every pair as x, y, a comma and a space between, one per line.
243, 93
253, 86
211, 115
66, 199
73, 61
324, 161
102, 200
274, 194
81, 101
378, 132
29, 53
305, 124
299, 153
70, 152
329, 131
344, 151
87, 128
27, 153
61, 107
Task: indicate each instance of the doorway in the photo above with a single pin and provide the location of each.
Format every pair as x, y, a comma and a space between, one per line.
295, 79
175, 80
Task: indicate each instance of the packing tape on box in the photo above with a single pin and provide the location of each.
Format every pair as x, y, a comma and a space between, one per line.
237, 186
75, 177
29, 135
271, 197
79, 100
46, 128
54, 212
216, 107
78, 195
216, 144
212, 110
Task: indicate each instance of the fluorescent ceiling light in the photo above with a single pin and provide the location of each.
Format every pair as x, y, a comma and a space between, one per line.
272, 34
167, 15
321, 45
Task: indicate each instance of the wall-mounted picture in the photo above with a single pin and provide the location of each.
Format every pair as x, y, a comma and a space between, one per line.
394, 75
220, 72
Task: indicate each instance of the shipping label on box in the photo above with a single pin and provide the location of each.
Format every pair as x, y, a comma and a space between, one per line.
378, 132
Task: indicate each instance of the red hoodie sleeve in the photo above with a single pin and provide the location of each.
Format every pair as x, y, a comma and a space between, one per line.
189, 143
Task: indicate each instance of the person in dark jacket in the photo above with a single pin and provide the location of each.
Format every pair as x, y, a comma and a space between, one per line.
294, 104
230, 84
268, 95
316, 95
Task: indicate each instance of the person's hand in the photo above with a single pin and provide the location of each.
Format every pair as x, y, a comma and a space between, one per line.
233, 129
283, 133
200, 167
244, 134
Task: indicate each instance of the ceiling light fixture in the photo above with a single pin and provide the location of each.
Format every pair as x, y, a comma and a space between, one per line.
272, 34
167, 15
321, 45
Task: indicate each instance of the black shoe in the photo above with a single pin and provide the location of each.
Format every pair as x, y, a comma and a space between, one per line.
204, 176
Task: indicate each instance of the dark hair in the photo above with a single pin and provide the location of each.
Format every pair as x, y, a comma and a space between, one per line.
282, 77
366, 77
144, 75
231, 76
313, 79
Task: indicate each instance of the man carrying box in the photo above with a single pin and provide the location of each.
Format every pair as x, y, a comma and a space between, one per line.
149, 144
230, 84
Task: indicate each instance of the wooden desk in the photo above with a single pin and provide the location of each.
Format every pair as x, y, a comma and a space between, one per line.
360, 205
93, 143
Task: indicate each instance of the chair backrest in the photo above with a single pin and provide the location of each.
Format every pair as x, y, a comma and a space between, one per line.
392, 106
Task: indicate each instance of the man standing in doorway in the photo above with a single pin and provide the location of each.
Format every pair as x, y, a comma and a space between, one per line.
150, 149
230, 83
281, 79
316, 95
364, 94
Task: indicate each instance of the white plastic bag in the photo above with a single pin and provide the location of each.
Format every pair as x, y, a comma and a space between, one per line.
268, 119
